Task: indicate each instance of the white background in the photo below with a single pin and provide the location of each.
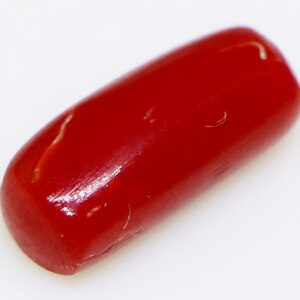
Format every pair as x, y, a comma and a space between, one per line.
241, 239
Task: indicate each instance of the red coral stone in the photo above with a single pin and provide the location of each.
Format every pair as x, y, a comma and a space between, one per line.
116, 163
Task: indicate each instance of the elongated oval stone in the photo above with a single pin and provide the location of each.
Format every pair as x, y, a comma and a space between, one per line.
127, 156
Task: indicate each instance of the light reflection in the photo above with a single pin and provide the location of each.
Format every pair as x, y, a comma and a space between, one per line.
67, 211
43, 159
65, 201
262, 51
68, 199
93, 211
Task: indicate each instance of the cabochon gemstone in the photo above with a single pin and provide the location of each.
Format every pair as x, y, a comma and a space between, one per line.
119, 161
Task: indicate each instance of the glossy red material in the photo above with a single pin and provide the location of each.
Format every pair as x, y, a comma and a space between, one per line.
116, 163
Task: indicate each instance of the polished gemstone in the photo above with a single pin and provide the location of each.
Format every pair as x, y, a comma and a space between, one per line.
121, 160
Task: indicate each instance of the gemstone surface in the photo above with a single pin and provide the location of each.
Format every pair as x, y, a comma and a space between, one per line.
127, 156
